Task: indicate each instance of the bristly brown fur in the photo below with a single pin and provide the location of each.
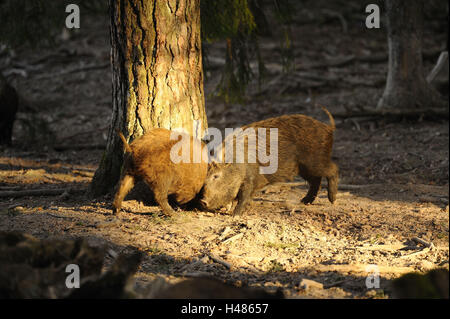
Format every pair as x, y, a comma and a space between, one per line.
304, 148
148, 158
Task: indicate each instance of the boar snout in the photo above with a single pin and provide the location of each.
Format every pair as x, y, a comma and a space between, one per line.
204, 203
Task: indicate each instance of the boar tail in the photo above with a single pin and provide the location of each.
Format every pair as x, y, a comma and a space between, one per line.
125, 143
332, 124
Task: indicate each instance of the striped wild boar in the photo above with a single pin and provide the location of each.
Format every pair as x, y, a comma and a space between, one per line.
149, 158
304, 148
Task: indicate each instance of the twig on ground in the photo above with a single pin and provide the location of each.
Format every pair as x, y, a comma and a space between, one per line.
336, 283
428, 246
219, 260
424, 250
233, 238
423, 242
225, 232
393, 247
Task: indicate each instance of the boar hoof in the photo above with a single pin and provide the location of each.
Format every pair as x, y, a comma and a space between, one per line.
168, 213
237, 211
332, 197
307, 200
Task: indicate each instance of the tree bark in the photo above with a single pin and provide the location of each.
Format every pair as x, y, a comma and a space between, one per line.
157, 76
406, 85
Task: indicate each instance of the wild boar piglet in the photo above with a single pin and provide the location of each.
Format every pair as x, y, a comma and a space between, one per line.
149, 158
304, 147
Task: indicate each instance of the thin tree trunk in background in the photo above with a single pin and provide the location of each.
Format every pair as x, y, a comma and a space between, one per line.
406, 85
157, 75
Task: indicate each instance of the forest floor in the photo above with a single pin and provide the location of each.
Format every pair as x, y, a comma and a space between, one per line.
394, 173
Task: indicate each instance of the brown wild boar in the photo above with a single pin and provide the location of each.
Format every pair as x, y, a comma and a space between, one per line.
304, 148
149, 158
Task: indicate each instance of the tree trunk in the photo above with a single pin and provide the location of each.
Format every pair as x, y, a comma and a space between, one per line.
157, 76
406, 85
8, 109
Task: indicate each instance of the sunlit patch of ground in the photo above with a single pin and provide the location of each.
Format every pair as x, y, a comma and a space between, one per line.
275, 245
18, 171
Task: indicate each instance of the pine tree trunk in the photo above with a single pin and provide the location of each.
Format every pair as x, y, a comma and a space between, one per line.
406, 85
157, 75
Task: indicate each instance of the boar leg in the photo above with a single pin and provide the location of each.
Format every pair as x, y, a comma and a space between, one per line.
126, 184
332, 188
314, 187
161, 192
333, 179
244, 197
